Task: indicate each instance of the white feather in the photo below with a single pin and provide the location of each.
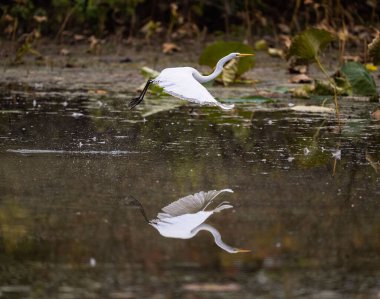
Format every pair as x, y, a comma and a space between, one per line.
190, 204
180, 82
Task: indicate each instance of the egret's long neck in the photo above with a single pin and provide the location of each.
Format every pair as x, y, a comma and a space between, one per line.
216, 235
218, 69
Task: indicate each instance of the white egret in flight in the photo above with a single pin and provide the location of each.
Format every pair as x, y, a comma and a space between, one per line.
183, 219
185, 83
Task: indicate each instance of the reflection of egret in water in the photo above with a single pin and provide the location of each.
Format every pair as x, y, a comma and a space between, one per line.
184, 218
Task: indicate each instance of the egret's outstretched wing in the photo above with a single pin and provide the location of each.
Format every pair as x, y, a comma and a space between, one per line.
179, 82
190, 204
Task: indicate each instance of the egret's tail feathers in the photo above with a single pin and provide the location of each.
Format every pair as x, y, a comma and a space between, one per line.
226, 106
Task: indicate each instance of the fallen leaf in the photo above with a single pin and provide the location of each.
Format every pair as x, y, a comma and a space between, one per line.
79, 37
284, 28
352, 58
274, 52
376, 115
229, 72
286, 39
8, 18
212, 287
312, 109
169, 48
64, 52
40, 19
94, 43
100, 91
301, 78
297, 69
343, 34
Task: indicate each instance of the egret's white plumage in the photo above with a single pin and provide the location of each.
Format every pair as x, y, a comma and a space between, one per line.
184, 218
185, 83
180, 82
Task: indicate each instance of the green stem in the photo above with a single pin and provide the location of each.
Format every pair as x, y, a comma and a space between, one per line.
334, 88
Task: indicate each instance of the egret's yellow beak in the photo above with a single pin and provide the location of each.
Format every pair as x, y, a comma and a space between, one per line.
243, 250
244, 55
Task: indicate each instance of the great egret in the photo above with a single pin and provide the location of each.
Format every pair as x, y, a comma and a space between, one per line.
185, 83
183, 219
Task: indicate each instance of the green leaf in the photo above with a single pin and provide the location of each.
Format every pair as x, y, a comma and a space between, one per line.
308, 44
211, 55
374, 50
360, 79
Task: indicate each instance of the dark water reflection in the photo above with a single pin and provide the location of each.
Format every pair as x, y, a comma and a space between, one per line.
67, 165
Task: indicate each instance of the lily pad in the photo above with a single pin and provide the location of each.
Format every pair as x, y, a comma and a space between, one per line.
250, 99
211, 55
361, 81
309, 43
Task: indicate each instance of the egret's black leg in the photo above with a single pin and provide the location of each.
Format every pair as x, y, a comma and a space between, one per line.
138, 100
133, 202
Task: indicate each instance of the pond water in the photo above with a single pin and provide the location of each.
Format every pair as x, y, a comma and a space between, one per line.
306, 199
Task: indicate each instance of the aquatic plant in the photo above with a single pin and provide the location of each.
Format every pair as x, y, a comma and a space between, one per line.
307, 46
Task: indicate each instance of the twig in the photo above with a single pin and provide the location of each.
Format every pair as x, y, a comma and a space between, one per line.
335, 91
65, 21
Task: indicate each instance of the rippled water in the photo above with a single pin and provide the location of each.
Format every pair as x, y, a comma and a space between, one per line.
306, 199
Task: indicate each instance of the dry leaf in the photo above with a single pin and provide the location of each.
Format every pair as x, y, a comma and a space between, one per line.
274, 52
312, 109
212, 287
297, 69
352, 58
64, 52
94, 42
343, 34
8, 18
169, 48
286, 39
40, 19
376, 114
301, 78
79, 37
100, 91
284, 28
229, 72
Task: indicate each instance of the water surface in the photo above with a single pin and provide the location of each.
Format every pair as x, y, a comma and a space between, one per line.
306, 199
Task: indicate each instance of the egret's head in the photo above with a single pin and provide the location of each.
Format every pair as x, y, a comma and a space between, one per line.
244, 54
